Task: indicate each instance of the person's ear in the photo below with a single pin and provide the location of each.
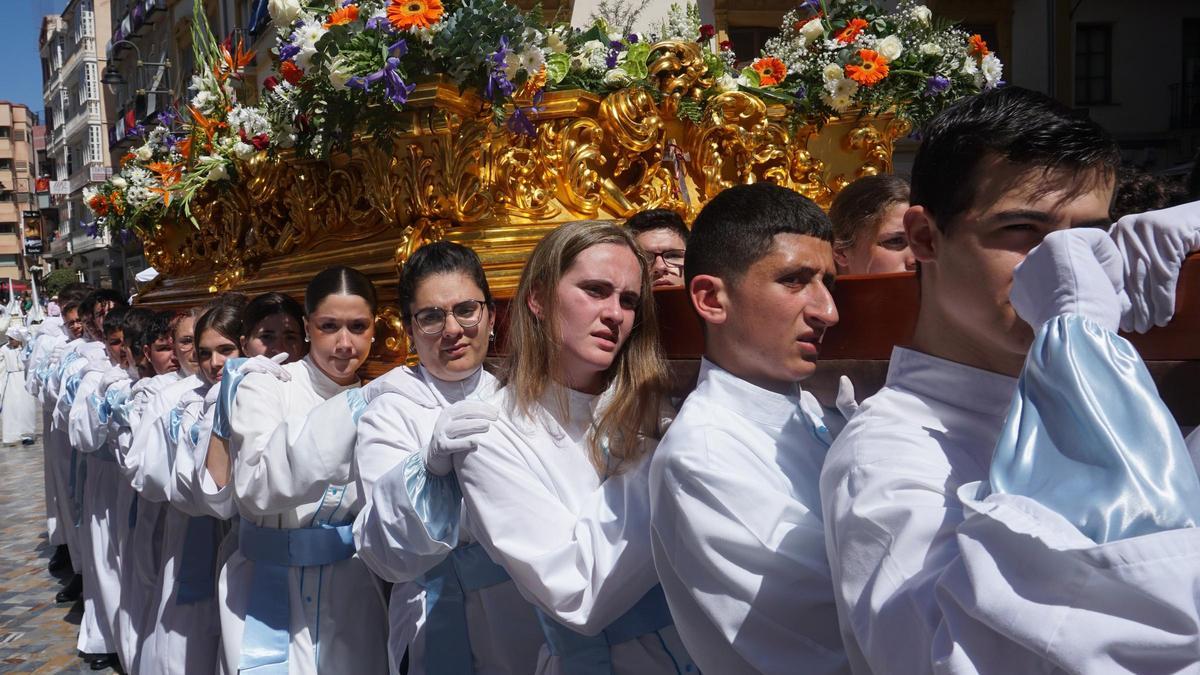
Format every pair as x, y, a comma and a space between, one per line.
923, 234
709, 298
841, 260
242, 343
534, 302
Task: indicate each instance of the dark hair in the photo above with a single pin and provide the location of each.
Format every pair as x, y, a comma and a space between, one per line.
338, 280
1138, 192
225, 318
270, 304
88, 306
72, 295
657, 219
860, 205
136, 320
155, 325
1023, 127
738, 227
440, 257
114, 320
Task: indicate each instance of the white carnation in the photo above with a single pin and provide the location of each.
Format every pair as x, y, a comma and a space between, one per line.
931, 49
119, 182
992, 70
921, 13
306, 38
832, 73
890, 47
243, 150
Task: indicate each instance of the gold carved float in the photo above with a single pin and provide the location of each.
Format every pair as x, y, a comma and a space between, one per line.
451, 173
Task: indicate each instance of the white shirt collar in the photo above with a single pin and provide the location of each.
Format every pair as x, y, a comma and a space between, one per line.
951, 383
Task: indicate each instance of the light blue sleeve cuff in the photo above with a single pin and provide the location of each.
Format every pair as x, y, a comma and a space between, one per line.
230, 380
356, 403
437, 500
1088, 436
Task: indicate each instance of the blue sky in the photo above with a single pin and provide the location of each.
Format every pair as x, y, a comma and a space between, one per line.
20, 65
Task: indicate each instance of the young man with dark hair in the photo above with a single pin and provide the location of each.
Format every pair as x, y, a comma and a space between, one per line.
736, 522
927, 575
664, 240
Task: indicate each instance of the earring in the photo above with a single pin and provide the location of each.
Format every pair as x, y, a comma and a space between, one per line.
491, 336
306, 338
372, 340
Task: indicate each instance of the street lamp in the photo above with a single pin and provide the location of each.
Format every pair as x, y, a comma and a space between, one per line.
113, 76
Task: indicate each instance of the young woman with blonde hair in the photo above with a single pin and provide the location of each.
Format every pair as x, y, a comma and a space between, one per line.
556, 489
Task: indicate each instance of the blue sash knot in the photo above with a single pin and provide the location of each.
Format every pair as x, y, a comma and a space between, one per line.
590, 655
447, 640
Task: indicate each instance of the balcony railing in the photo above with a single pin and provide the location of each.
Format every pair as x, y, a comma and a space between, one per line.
140, 14
1185, 105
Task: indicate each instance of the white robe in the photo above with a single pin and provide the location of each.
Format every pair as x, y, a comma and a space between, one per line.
140, 545
101, 475
576, 545
184, 636
736, 528
337, 612
930, 579
397, 545
18, 417
52, 468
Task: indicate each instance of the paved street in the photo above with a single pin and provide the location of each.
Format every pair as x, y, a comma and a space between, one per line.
36, 635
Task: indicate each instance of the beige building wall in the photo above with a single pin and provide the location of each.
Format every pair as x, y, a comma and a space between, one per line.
16, 184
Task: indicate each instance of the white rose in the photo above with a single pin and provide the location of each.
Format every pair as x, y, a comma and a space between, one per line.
617, 77
922, 14
832, 73
992, 70
726, 83
119, 182
243, 150
143, 153
931, 49
812, 31
284, 12
890, 47
339, 73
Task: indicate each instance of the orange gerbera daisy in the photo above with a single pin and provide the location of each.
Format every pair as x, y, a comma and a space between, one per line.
99, 205
414, 13
291, 72
979, 47
851, 31
342, 16
873, 69
771, 71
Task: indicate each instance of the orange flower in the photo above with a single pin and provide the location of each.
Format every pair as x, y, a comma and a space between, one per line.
771, 71
291, 72
206, 125
342, 16
126, 158
851, 31
184, 147
99, 205
979, 48
236, 61
414, 13
118, 202
168, 172
873, 69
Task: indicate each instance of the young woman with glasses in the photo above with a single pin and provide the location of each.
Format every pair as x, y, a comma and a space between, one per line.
455, 609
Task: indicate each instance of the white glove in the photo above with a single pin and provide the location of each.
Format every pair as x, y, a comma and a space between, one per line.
111, 377
1153, 246
1071, 272
846, 404
454, 433
271, 366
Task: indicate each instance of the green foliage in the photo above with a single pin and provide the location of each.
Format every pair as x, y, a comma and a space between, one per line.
55, 281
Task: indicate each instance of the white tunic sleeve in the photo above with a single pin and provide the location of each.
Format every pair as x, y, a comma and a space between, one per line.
394, 539
282, 462
585, 566
184, 494
85, 435
151, 450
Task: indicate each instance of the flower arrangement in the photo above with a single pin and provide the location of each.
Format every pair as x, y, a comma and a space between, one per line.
347, 67
832, 56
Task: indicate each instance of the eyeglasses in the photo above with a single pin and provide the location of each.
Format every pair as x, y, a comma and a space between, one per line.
672, 257
432, 320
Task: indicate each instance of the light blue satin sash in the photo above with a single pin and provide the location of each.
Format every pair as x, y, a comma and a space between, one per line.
72, 387
114, 400
447, 640
198, 560
267, 634
591, 655
1087, 436
230, 380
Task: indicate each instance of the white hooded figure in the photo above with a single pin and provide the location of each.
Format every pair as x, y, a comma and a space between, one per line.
18, 409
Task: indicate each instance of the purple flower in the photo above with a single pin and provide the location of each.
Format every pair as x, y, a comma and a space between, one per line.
378, 22
616, 45
137, 130
395, 88
498, 84
632, 38
398, 48
811, 5
801, 92
170, 140
288, 52
167, 117
610, 61
936, 85
92, 229
519, 122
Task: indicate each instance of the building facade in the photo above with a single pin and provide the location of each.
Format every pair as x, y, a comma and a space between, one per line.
77, 153
17, 185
